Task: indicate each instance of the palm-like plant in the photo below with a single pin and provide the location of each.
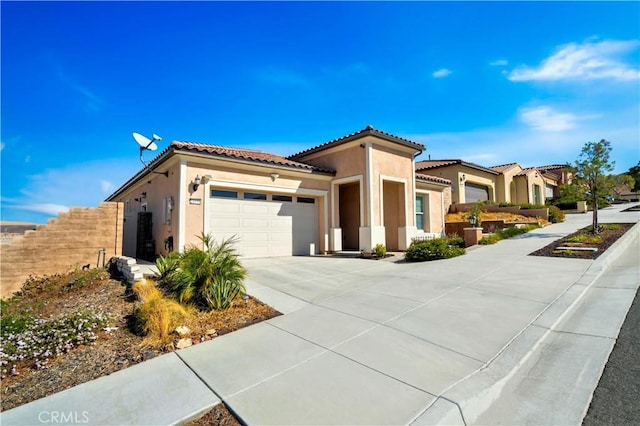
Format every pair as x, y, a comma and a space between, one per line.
211, 277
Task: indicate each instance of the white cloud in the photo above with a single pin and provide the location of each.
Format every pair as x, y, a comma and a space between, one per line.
586, 61
546, 119
45, 208
2, 145
76, 185
107, 187
517, 141
499, 63
442, 72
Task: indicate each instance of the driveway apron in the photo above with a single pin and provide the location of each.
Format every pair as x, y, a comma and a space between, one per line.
378, 342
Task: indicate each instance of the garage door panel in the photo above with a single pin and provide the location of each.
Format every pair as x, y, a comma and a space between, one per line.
265, 228
474, 192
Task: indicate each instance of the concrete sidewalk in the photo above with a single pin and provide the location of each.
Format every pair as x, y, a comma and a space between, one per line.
465, 340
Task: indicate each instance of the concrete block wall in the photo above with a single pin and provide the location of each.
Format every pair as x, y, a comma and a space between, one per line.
71, 240
129, 269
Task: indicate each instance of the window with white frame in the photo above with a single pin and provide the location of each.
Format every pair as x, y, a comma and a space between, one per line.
419, 212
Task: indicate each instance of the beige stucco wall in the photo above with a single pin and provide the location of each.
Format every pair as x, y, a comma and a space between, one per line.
439, 199
524, 188
394, 166
505, 190
157, 188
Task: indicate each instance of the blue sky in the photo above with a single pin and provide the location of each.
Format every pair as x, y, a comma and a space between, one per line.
488, 82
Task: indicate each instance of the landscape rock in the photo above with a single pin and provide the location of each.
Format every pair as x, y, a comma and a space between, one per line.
211, 332
183, 343
182, 330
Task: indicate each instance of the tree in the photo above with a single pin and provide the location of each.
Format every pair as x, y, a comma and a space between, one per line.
634, 172
592, 168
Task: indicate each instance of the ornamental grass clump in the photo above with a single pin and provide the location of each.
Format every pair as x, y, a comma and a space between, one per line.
156, 316
210, 278
437, 248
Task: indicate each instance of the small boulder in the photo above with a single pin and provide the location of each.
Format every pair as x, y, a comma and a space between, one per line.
211, 332
183, 343
182, 330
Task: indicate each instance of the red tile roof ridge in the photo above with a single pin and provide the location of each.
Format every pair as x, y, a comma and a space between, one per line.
370, 130
246, 154
431, 178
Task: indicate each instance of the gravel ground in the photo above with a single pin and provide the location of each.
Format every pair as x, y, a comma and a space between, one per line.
608, 238
616, 400
113, 350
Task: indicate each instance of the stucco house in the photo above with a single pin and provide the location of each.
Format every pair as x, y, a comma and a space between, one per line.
470, 182
350, 193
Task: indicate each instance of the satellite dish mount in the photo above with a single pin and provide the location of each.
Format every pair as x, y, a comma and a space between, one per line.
147, 144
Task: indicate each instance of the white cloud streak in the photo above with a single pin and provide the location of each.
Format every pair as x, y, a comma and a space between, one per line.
499, 63
75, 185
442, 72
546, 119
587, 61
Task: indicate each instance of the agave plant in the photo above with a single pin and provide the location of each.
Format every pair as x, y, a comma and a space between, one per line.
211, 276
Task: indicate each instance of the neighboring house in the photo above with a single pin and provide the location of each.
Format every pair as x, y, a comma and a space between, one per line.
347, 194
555, 175
470, 182
519, 186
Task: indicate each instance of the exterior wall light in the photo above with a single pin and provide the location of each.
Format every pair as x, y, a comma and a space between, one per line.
463, 178
274, 176
473, 220
196, 183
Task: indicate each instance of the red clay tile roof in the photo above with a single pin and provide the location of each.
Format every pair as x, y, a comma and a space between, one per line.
501, 168
434, 164
553, 167
435, 179
526, 171
245, 154
369, 130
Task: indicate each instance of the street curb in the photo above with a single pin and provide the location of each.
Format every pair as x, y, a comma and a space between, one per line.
471, 396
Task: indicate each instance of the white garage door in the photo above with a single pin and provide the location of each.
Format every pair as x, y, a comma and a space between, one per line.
266, 225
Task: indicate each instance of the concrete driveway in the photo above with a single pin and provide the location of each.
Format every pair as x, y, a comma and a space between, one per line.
495, 336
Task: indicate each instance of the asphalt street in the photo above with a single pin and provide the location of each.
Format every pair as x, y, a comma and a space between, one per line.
616, 399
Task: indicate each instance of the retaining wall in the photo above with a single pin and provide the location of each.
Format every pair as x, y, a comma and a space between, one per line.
71, 240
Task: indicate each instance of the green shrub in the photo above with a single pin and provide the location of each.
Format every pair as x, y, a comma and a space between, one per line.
555, 214
489, 239
505, 233
455, 240
476, 211
529, 206
211, 278
380, 250
565, 205
435, 249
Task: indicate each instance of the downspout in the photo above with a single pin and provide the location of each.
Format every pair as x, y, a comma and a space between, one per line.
182, 200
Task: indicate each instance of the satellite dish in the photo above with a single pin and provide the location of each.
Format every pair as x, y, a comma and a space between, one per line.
145, 142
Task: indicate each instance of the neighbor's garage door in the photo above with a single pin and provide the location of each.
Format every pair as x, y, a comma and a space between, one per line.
473, 193
266, 225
